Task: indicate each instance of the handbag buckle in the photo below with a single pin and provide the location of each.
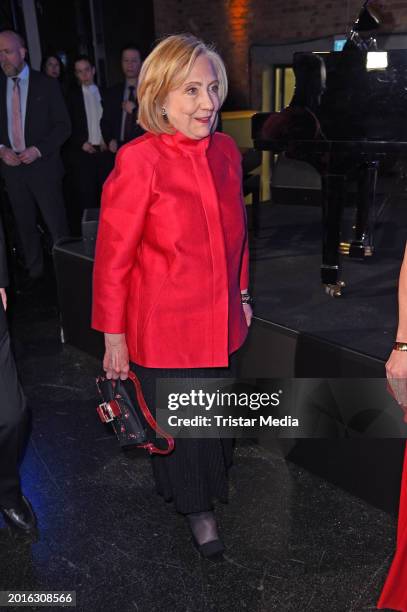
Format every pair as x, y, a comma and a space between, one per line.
105, 412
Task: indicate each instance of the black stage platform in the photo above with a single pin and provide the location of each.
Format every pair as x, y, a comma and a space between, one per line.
285, 278
300, 331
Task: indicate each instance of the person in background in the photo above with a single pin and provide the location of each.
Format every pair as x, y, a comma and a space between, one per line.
31, 136
394, 593
170, 287
119, 120
88, 160
52, 66
14, 506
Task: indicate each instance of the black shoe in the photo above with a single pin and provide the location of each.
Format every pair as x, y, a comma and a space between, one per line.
212, 550
204, 533
21, 516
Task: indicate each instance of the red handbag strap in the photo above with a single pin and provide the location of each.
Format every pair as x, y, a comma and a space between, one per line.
151, 420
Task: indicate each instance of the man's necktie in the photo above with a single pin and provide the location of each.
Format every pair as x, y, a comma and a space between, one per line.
17, 124
130, 120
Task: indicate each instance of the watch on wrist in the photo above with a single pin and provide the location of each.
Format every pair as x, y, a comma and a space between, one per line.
246, 298
400, 346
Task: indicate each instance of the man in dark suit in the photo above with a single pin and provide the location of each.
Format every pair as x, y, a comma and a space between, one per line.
89, 159
16, 509
34, 123
119, 119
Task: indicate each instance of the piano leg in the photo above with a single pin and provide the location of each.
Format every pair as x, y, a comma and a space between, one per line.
333, 198
363, 243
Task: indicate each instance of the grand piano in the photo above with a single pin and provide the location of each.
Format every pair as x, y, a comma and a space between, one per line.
347, 117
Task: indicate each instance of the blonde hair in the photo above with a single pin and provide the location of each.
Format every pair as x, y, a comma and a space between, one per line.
166, 68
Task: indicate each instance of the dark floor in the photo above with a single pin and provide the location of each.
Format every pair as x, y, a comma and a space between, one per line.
294, 542
285, 278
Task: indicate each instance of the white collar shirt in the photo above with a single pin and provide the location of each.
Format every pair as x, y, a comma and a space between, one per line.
94, 110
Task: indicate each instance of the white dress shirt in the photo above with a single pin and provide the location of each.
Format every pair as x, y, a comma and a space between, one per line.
94, 110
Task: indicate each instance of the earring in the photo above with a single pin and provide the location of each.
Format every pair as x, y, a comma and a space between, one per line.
163, 112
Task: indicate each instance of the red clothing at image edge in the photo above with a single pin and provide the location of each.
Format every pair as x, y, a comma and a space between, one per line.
172, 252
394, 593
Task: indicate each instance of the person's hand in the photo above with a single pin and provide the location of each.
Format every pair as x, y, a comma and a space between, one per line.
88, 148
248, 313
3, 296
113, 146
396, 372
9, 157
128, 106
116, 359
28, 156
103, 147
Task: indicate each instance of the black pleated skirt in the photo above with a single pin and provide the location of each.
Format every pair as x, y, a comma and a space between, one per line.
196, 472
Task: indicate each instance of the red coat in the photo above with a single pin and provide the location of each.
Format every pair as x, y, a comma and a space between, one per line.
171, 252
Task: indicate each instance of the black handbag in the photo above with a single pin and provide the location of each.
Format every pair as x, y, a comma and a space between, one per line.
125, 408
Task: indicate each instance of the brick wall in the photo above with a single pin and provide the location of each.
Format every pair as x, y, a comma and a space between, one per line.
234, 25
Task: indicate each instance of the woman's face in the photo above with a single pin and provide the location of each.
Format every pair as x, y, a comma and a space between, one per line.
192, 108
52, 67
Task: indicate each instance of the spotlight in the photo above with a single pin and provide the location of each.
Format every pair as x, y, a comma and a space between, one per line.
366, 21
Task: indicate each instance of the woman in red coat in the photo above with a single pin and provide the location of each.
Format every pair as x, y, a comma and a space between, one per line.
171, 267
394, 594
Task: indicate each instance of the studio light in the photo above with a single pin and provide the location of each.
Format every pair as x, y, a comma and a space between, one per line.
376, 60
359, 37
366, 21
